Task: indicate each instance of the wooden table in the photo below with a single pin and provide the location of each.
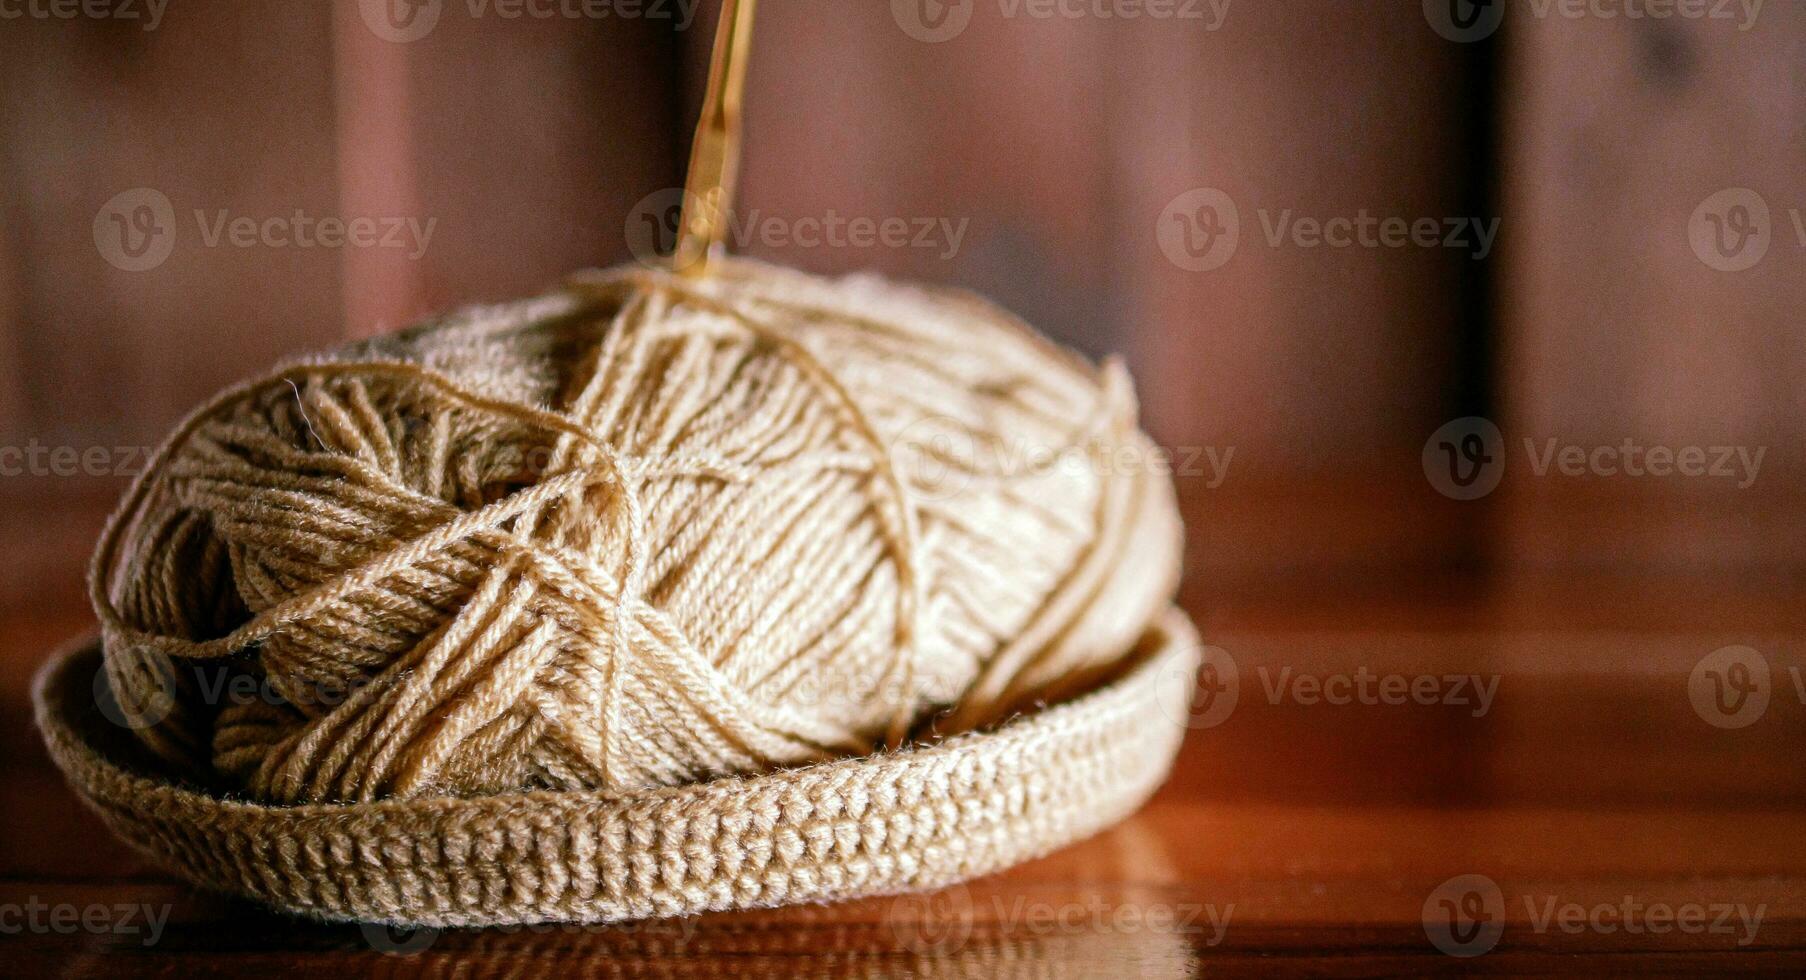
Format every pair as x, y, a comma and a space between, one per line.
1601, 821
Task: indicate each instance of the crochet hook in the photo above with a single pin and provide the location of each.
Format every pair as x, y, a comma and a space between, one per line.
715, 156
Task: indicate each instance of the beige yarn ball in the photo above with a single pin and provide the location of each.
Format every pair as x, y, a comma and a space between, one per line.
639, 532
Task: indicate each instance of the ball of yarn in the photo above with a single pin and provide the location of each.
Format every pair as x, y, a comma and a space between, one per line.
639, 532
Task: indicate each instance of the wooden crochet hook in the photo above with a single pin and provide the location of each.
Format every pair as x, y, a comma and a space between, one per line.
715, 156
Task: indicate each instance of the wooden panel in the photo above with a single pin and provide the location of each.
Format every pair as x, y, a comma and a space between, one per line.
378, 167
1623, 319
223, 110
1310, 358
12, 273
993, 137
533, 140
1061, 140
518, 143
509, 148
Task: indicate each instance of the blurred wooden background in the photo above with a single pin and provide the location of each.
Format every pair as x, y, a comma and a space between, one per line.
1059, 141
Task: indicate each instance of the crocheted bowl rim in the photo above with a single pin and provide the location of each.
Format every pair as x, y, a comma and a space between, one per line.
921, 817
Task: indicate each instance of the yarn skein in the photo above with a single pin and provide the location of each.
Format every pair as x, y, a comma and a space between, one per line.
643, 531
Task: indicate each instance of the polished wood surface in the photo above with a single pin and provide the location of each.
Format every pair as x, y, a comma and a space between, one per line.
1294, 835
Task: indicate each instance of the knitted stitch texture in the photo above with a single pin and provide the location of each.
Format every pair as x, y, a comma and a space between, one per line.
920, 818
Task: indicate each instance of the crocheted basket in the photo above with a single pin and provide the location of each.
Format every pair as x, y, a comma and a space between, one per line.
919, 818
